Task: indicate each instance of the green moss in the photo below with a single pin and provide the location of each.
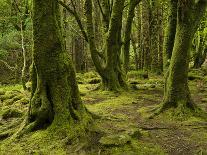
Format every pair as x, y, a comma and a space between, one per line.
90, 75
194, 76
2, 92
24, 101
94, 81
80, 78
10, 87
10, 113
204, 100
115, 101
115, 140
136, 147
137, 75
8, 101
18, 97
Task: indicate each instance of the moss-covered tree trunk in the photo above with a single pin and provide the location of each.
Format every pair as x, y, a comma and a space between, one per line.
127, 33
154, 31
169, 34
108, 63
177, 92
145, 31
160, 37
55, 97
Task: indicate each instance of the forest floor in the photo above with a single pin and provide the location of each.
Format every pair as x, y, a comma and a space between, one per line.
122, 126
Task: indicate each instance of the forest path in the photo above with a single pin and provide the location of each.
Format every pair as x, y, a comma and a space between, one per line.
125, 111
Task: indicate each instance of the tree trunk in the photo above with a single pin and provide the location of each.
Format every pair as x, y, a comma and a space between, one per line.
127, 33
79, 54
23, 78
114, 78
145, 31
170, 31
177, 92
55, 97
154, 27
108, 63
160, 38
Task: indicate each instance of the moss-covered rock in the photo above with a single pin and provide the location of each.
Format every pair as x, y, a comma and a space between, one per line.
8, 101
80, 78
18, 97
10, 113
115, 140
90, 75
9, 95
94, 81
24, 101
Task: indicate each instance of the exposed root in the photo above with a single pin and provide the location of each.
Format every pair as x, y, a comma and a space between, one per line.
179, 111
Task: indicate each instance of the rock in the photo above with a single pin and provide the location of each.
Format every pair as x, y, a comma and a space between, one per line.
115, 140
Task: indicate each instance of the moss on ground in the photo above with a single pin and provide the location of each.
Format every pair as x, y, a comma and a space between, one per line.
121, 123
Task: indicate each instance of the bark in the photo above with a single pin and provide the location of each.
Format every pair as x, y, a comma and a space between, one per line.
79, 54
108, 63
127, 33
177, 92
145, 31
135, 52
139, 35
55, 98
23, 78
160, 38
154, 27
170, 31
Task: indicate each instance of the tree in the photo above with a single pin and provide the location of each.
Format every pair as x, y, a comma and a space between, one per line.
200, 45
128, 30
170, 31
108, 63
55, 98
145, 31
107, 59
177, 94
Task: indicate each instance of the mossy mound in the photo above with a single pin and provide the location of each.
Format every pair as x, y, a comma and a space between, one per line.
115, 140
137, 75
11, 113
88, 78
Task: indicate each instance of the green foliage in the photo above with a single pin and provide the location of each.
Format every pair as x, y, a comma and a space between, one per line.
11, 41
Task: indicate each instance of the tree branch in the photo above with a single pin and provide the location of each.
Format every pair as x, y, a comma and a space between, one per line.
99, 4
77, 18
